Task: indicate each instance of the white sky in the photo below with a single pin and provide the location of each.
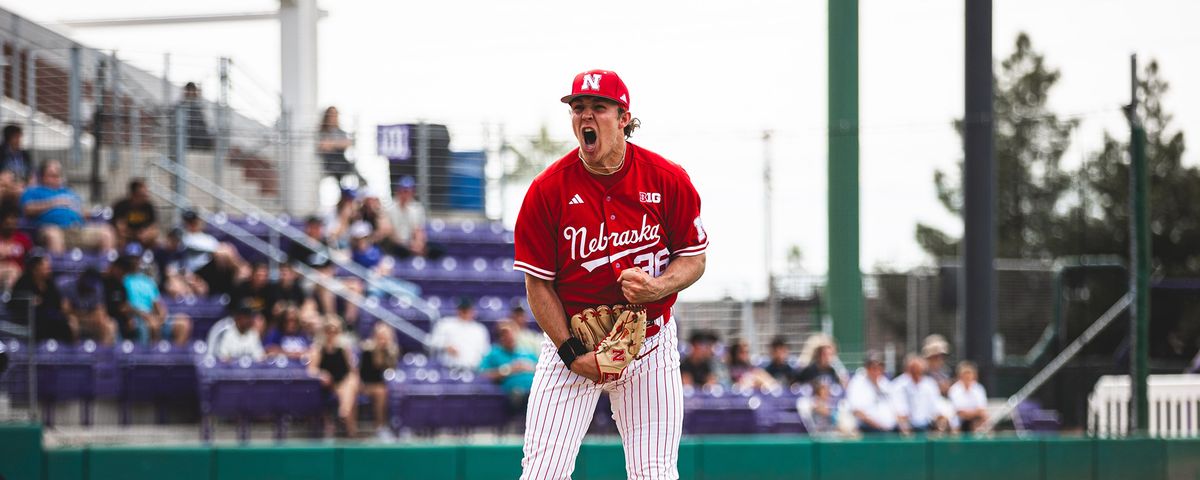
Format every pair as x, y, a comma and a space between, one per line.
705, 78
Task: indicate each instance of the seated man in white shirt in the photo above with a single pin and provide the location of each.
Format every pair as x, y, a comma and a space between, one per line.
461, 340
868, 396
918, 398
235, 337
969, 398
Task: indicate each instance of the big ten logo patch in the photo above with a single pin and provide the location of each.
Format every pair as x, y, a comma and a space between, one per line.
650, 197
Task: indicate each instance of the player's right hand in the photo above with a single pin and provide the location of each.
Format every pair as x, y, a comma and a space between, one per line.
585, 365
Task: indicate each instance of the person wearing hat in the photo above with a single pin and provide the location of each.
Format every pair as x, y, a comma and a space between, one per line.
609, 225
235, 337
935, 350
461, 340
148, 317
869, 396
407, 218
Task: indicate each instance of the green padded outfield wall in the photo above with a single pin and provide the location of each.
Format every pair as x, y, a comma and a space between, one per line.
709, 458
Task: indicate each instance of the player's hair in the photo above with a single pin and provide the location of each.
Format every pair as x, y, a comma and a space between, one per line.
966, 365
634, 123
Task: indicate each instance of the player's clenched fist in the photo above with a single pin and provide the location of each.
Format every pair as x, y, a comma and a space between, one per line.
639, 287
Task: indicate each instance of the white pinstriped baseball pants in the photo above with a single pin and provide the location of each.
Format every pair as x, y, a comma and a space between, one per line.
647, 404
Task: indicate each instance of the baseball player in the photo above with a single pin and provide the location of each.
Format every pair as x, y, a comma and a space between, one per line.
607, 236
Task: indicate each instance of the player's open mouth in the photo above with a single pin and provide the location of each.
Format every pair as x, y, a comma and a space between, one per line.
589, 138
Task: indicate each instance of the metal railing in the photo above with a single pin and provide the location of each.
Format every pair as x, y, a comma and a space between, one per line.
1059, 361
274, 253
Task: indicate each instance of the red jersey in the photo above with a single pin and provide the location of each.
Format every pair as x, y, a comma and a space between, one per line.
580, 230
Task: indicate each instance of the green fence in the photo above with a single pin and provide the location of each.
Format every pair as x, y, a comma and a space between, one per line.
707, 458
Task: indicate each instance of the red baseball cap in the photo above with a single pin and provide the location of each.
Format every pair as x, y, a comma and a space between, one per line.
599, 83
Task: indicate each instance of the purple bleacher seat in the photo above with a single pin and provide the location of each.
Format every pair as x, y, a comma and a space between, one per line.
1031, 417
76, 261
162, 374
720, 413
455, 405
277, 387
65, 372
204, 311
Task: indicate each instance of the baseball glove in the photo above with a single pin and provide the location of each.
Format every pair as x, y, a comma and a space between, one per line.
615, 333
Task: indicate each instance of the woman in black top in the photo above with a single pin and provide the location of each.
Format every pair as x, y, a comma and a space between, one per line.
379, 353
333, 363
53, 314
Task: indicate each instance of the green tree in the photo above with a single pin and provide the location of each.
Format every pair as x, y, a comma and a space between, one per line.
1030, 185
1102, 223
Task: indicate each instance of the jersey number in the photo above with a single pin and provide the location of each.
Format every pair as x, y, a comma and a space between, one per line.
654, 264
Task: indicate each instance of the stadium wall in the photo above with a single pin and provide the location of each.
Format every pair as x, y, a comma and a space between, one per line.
707, 458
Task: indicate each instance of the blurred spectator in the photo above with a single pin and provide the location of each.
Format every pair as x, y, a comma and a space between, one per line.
234, 337
150, 319
287, 293
318, 258
333, 362
935, 350
379, 353
527, 339
134, 217
780, 368
743, 372
192, 108
511, 368
821, 366
88, 302
14, 245
698, 367
362, 251
461, 340
255, 292
824, 409
337, 225
332, 143
216, 264
15, 162
918, 400
173, 276
53, 316
969, 398
869, 400
58, 213
292, 337
371, 212
407, 218
321, 259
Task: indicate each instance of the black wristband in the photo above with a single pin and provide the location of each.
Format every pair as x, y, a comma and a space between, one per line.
571, 349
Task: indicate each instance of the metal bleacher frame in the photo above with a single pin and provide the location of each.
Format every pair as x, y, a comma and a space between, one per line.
282, 227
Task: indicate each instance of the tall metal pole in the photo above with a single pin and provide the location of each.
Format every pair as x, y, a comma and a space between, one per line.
1139, 244
179, 157
15, 73
116, 119
845, 277
979, 199
423, 166
168, 131
222, 147
98, 132
30, 97
768, 241
74, 96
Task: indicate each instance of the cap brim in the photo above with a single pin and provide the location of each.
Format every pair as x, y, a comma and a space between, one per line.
568, 98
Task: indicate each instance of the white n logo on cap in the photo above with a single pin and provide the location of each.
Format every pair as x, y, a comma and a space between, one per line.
591, 82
